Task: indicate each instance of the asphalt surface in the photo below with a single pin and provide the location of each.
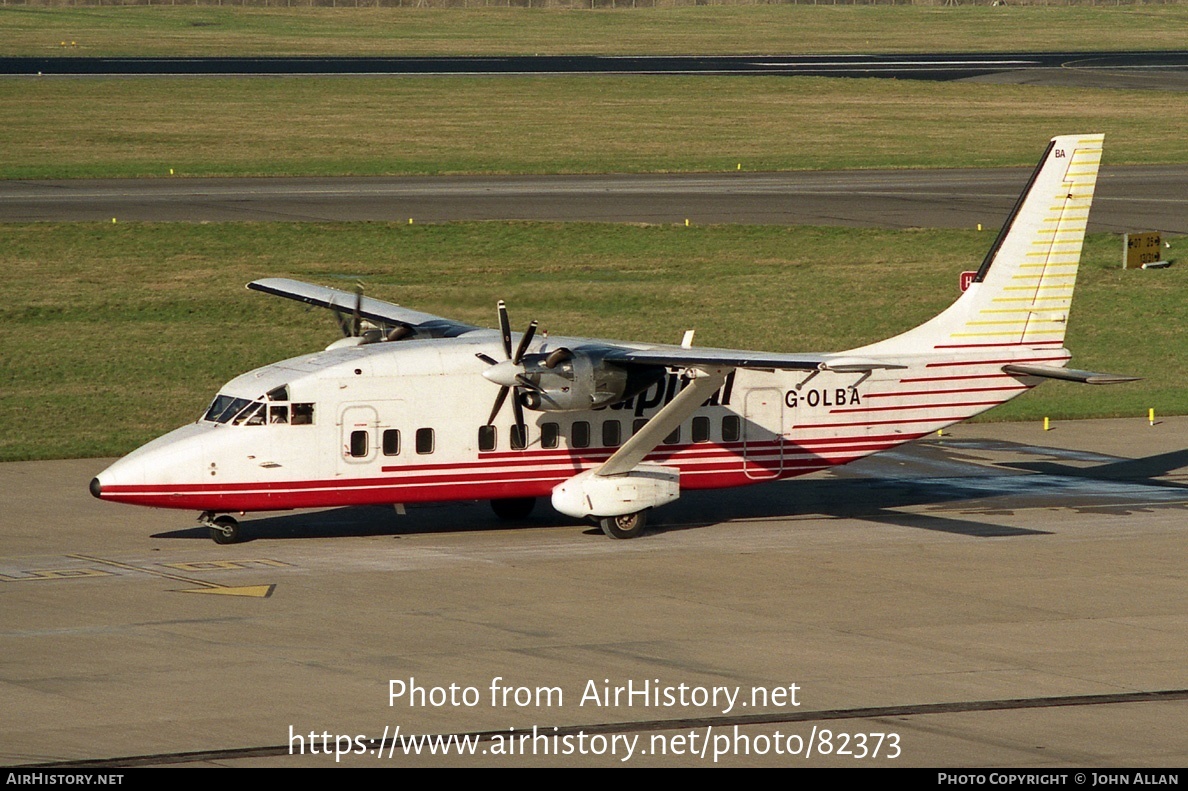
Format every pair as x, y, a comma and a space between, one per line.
949, 66
1128, 198
998, 597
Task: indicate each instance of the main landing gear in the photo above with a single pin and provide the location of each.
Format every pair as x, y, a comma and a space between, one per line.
625, 526
223, 529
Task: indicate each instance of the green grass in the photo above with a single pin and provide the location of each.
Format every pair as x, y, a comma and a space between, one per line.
113, 334
761, 29
70, 128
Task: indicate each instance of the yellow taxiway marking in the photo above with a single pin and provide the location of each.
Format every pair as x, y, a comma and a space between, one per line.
253, 591
55, 574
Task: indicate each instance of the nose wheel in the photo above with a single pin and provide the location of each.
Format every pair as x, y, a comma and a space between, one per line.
223, 529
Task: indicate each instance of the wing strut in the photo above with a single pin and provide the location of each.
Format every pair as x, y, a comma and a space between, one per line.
702, 385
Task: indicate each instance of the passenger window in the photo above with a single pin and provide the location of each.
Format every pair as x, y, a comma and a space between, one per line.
303, 414
358, 443
701, 429
550, 435
424, 441
581, 434
638, 424
519, 437
486, 438
392, 442
674, 437
731, 428
612, 434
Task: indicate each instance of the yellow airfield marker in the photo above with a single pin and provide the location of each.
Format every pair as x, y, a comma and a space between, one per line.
170, 171
113, 222
1151, 416
979, 226
739, 166
251, 591
1047, 426
410, 220
686, 222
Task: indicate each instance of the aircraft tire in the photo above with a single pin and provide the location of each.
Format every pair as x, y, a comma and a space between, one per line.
513, 508
225, 530
625, 526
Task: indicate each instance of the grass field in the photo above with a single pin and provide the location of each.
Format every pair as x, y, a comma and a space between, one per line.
70, 128
759, 29
113, 334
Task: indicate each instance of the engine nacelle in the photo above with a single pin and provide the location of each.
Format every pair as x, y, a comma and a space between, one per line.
581, 380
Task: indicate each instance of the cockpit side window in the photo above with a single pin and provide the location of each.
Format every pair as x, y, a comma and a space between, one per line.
303, 414
252, 416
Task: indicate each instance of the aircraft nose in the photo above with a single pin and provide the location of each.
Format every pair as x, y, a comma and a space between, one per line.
96, 488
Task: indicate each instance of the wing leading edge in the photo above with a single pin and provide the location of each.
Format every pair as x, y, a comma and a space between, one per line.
374, 310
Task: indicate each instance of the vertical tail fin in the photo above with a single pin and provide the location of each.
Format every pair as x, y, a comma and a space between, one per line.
1023, 290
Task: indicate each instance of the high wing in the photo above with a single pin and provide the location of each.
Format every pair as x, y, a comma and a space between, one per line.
682, 357
375, 310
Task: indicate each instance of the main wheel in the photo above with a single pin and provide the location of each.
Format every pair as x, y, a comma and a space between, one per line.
224, 530
513, 508
625, 526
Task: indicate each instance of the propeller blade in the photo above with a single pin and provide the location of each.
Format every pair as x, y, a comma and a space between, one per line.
488, 359
498, 404
344, 323
399, 333
505, 329
524, 341
527, 384
519, 412
356, 316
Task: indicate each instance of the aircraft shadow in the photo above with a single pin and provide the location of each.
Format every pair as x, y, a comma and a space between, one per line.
943, 477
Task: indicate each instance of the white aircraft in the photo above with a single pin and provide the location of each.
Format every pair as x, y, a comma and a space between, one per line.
408, 407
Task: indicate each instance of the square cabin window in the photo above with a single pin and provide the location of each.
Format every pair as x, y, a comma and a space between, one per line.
731, 428
581, 434
550, 435
358, 444
392, 442
486, 438
612, 434
701, 429
425, 441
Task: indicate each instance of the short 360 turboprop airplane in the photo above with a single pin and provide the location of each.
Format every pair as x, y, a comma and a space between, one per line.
402, 412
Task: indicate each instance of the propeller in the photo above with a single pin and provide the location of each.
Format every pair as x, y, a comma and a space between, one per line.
352, 326
509, 374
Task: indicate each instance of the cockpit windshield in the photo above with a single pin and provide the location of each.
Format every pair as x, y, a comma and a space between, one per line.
272, 407
224, 408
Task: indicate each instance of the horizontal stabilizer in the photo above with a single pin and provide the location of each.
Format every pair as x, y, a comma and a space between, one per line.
1068, 374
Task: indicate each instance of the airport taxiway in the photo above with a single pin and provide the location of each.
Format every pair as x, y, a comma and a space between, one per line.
1128, 198
999, 596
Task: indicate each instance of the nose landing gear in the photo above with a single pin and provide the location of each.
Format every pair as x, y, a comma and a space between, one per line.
223, 529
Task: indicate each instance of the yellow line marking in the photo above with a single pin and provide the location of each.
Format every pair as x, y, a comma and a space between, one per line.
255, 591
56, 574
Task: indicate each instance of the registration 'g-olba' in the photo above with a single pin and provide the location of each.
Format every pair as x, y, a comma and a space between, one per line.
408, 408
